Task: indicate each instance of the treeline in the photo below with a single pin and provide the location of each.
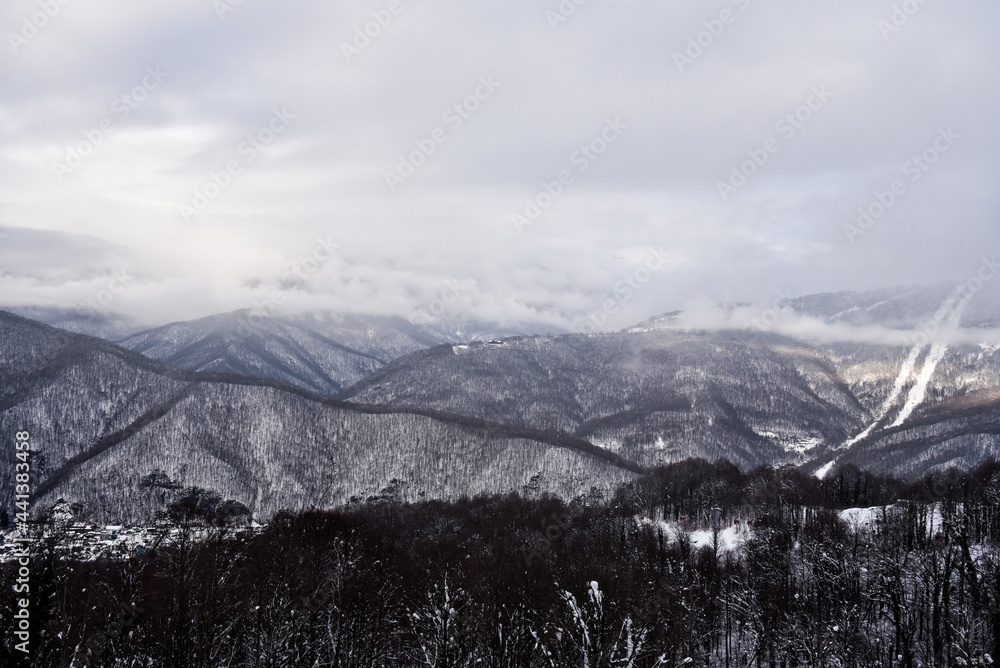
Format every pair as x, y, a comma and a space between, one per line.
692, 489
508, 581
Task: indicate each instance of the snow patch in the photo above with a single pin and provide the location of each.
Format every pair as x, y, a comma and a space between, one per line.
803, 445
844, 312
730, 538
610, 445
861, 518
823, 470
790, 442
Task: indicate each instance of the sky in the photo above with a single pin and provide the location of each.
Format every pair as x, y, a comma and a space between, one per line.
557, 162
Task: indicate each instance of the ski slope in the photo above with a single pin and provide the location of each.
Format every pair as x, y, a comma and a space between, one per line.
951, 312
919, 391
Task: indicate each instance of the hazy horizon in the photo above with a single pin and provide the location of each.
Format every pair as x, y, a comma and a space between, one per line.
520, 163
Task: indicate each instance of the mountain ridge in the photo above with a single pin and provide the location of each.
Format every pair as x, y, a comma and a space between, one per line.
571, 414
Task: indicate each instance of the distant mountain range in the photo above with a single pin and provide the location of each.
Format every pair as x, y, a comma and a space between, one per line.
292, 413
907, 307
322, 352
105, 325
346, 351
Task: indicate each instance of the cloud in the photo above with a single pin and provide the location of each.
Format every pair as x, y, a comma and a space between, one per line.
53, 256
68, 88
904, 317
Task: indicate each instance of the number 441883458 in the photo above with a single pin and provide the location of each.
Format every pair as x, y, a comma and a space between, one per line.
22, 476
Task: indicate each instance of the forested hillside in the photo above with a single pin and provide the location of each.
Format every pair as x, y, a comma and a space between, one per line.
102, 419
696, 564
574, 415
751, 397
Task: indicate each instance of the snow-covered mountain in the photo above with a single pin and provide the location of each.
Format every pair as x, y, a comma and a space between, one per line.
913, 308
320, 352
753, 398
102, 324
906, 307
268, 424
322, 355
103, 420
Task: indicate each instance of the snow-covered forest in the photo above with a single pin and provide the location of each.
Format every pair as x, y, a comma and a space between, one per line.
694, 564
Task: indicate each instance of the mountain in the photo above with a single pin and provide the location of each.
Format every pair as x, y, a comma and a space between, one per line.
102, 324
651, 397
753, 398
118, 432
572, 414
323, 356
658, 393
320, 352
906, 307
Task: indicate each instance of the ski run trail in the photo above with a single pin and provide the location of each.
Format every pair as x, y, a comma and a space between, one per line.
949, 311
919, 390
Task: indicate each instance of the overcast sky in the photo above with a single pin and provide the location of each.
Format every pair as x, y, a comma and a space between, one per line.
115, 115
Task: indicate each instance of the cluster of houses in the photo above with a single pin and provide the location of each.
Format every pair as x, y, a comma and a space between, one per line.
89, 541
